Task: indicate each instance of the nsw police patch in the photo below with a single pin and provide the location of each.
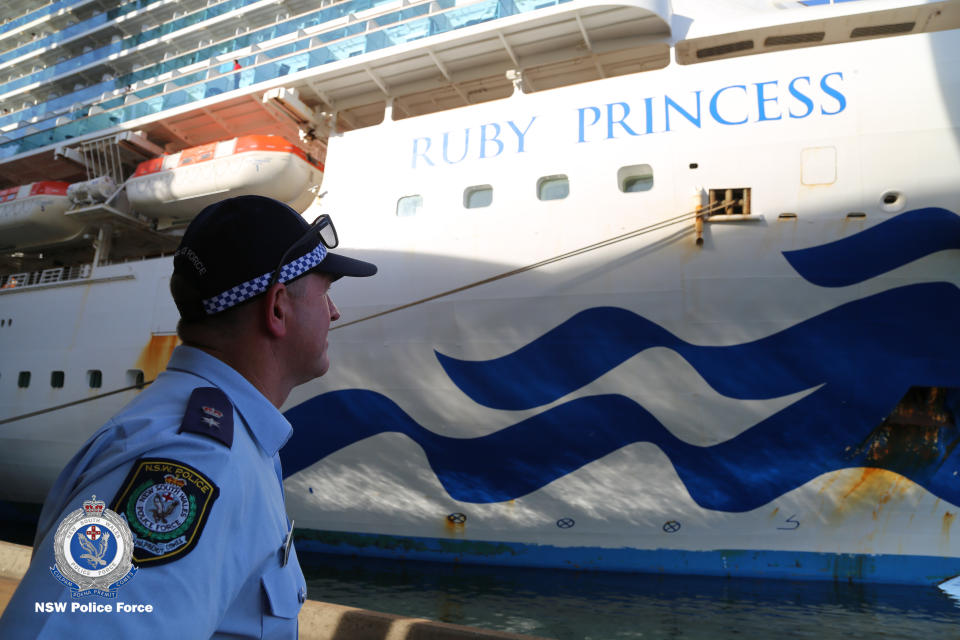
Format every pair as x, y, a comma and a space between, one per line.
166, 503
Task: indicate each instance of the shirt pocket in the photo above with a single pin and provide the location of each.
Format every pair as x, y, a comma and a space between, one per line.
285, 590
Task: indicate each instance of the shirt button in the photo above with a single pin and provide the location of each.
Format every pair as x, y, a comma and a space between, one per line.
302, 595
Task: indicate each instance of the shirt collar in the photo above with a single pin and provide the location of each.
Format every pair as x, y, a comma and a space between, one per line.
268, 426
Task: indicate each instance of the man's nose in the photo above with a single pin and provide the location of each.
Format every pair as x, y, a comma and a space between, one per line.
334, 312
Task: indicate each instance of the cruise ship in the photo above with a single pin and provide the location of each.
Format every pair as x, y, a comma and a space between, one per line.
666, 286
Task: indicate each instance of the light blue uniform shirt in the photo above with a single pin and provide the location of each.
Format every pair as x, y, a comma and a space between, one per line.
233, 582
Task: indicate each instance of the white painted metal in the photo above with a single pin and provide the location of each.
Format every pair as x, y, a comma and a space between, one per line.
179, 192
35, 220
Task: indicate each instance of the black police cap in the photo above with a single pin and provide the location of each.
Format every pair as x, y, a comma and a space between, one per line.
231, 249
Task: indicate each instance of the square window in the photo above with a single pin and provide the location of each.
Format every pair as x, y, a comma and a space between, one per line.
23, 380
553, 187
409, 206
56, 379
635, 178
95, 378
477, 197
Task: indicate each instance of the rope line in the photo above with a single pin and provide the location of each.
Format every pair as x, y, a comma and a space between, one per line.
656, 226
75, 402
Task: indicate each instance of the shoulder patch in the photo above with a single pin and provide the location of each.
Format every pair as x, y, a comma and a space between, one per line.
209, 413
166, 503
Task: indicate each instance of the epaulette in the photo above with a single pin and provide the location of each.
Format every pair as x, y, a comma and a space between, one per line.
209, 413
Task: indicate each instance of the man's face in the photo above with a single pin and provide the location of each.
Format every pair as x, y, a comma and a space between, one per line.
313, 312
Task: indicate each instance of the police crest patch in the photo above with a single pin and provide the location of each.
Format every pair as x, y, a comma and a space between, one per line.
166, 503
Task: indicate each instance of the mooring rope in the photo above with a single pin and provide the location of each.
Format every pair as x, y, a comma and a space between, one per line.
657, 226
75, 402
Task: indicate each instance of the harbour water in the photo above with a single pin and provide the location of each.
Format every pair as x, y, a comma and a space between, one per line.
572, 605
569, 605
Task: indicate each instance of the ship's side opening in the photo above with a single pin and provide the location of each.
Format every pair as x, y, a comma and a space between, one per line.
733, 201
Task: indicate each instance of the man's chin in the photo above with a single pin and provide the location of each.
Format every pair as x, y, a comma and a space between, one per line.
323, 368
315, 373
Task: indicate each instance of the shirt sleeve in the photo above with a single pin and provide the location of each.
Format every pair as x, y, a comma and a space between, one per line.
190, 593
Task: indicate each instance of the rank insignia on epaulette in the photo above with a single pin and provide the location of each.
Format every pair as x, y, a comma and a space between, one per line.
166, 504
209, 413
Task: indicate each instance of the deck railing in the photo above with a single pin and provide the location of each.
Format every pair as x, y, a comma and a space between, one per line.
44, 276
321, 47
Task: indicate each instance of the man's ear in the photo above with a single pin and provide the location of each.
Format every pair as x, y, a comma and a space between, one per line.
276, 310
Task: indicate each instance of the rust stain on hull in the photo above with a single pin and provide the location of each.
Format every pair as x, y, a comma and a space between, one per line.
855, 490
948, 519
155, 355
866, 481
876, 486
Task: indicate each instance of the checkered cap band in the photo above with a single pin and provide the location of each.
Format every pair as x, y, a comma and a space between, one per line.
258, 285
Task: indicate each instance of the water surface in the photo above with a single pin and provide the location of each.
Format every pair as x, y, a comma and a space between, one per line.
569, 605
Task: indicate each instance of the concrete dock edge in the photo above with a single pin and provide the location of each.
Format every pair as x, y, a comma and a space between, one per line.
318, 620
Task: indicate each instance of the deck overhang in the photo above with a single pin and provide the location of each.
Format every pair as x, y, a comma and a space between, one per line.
563, 44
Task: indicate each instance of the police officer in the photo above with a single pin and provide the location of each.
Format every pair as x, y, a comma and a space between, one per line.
192, 462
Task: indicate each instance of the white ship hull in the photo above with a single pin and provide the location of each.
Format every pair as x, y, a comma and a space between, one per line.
654, 404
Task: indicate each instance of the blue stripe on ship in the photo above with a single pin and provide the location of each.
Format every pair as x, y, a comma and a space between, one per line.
883, 568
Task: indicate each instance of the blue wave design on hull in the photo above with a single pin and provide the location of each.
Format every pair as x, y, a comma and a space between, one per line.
879, 249
866, 354
842, 347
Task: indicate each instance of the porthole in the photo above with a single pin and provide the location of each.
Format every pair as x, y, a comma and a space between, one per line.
23, 380
553, 187
893, 201
57, 379
478, 196
409, 206
635, 178
135, 378
94, 378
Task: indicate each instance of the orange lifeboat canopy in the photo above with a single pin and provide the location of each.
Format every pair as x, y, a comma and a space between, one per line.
177, 186
32, 215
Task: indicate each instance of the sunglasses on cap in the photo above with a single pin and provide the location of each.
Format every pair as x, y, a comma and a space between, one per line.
321, 228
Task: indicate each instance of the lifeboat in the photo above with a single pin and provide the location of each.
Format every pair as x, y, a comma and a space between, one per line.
32, 215
177, 186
